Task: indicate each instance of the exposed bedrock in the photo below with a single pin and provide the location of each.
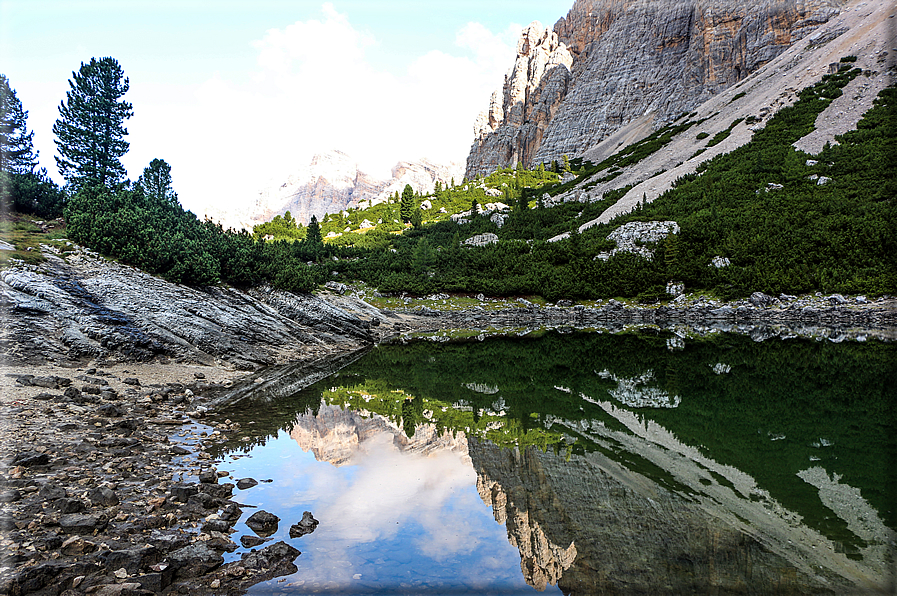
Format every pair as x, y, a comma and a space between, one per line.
86, 308
610, 62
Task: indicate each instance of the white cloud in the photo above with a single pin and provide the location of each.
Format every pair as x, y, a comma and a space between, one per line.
306, 43
315, 90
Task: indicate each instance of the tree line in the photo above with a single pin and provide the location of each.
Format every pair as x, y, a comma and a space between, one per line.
140, 223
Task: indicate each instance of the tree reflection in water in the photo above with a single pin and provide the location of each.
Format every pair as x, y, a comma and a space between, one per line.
619, 465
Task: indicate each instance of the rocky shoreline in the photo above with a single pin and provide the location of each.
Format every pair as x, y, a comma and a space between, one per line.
104, 493
761, 316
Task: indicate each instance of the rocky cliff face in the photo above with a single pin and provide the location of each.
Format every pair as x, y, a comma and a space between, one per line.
422, 175
610, 62
328, 184
333, 181
511, 130
83, 307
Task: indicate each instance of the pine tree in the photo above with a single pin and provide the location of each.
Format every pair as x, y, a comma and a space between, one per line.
313, 240
417, 219
90, 130
407, 203
156, 183
566, 161
16, 150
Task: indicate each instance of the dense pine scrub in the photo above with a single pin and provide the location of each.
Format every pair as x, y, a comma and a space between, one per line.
160, 237
830, 227
787, 221
786, 224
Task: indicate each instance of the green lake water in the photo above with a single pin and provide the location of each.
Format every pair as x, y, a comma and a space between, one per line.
583, 463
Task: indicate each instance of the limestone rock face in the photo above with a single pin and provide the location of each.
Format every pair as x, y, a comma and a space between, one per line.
87, 307
629, 58
328, 184
511, 129
422, 175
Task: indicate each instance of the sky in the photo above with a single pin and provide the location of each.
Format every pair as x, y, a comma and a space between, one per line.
237, 95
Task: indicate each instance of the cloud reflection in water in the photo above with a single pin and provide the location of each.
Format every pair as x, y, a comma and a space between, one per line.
393, 512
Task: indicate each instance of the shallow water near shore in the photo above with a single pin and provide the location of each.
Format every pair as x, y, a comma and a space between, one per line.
581, 463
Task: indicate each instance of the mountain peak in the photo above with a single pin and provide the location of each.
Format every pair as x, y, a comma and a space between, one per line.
610, 62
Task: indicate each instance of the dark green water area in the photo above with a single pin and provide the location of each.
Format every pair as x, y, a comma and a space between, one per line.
583, 463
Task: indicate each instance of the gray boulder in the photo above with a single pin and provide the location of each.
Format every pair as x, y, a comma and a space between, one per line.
194, 560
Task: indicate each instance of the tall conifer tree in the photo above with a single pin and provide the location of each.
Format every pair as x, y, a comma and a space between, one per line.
156, 183
16, 150
90, 130
407, 203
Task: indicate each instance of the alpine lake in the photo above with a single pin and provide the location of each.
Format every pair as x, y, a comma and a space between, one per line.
574, 462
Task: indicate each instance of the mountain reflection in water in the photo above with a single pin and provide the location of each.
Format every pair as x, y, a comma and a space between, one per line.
614, 465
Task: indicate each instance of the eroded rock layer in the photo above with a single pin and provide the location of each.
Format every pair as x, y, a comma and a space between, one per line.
83, 307
610, 62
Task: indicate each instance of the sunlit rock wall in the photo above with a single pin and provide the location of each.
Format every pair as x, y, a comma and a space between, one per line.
610, 62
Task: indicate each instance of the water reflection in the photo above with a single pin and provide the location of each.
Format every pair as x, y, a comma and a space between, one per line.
397, 514
611, 464
716, 530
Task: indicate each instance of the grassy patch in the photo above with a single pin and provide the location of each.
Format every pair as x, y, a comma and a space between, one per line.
25, 236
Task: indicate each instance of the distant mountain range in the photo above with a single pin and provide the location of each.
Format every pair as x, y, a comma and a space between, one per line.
332, 182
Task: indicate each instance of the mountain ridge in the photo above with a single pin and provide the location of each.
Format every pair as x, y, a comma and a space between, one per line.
332, 182
611, 62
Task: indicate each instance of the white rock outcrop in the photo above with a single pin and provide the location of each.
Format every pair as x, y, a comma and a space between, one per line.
481, 240
632, 236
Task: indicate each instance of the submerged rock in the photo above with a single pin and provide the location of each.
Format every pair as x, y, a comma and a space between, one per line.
250, 541
270, 556
245, 483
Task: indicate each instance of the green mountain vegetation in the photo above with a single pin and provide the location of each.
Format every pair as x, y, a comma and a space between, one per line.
761, 206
